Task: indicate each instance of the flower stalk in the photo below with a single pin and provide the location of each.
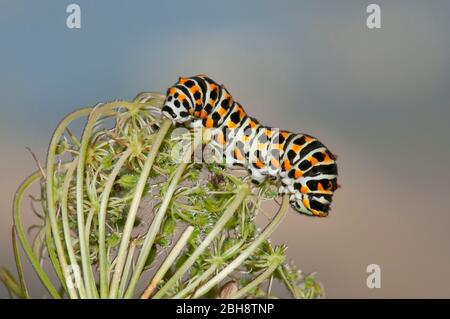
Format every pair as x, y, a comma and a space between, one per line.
248, 251
241, 193
134, 207
170, 259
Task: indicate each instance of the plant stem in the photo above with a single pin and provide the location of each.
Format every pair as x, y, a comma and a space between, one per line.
63, 278
96, 113
23, 239
134, 207
291, 288
158, 219
183, 293
241, 194
11, 284
89, 280
256, 282
50, 183
126, 269
168, 262
66, 228
248, 251
19, 265
102, 223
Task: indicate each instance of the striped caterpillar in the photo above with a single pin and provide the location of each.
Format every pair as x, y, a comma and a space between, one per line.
306, 168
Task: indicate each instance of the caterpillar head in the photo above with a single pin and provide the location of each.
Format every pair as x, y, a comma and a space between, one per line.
300, 206
176, 106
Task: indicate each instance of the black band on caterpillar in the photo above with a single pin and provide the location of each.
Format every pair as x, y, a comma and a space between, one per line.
306, 168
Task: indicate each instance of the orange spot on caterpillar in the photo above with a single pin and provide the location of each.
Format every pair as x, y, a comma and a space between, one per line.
306, 202
277, 146
194, 89
237, 154
209, 123
304, 189
287, 165
212, 102
296, 148
220, 139
320, 187
231, 124
317, 213
259, 164
221, 111
327, 159
298, 173
275, 163
203, 114
313, 160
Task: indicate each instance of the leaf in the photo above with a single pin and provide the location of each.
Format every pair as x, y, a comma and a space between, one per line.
107, 162
128, 180
169, 226
151, 257
113, 240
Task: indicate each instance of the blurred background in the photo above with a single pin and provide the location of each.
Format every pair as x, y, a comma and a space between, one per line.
378, 98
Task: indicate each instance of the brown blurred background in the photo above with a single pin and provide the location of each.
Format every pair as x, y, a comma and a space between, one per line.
378, 98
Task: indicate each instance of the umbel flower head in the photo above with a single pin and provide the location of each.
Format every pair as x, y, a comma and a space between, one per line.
120, 217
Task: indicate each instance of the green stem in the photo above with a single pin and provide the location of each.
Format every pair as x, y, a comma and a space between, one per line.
121, 255
242, 193
104, 110
11, 284
88, 225
126, 269
23, 239
19, 265
256, 282
168, 262
66, 228
50, 183
294, 292
194, 284
102, 223
248, 251
63, 277
157, 221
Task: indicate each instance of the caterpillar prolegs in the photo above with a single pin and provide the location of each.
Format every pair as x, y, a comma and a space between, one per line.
306, 168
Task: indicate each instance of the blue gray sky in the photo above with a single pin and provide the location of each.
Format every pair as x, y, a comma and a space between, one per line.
378, 98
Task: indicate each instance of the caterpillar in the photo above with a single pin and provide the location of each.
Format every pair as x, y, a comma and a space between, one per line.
306, 169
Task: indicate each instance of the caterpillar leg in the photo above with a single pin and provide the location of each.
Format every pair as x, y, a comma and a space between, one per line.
256, 175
